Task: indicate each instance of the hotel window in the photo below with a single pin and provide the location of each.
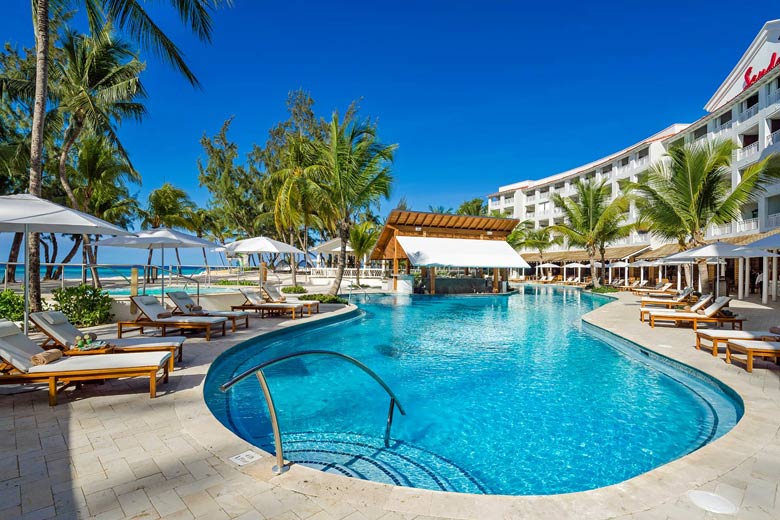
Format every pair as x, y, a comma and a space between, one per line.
725, 118
751, 101
642, 154
625, 161
700, 132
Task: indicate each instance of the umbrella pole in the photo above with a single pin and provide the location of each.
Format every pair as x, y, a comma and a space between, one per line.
774, 279
741, 272
679, 277
27, 278
162, 278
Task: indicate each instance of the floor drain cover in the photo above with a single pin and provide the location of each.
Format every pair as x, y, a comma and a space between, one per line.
712, 502
242, 459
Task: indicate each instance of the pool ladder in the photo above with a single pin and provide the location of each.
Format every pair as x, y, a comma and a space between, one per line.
281, 467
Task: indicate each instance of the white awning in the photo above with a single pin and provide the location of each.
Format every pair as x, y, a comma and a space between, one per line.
460, 252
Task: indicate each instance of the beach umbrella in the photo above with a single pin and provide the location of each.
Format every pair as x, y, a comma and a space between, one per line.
715, 250
30, 214
579, 267
262, 245
162, 239
641, 264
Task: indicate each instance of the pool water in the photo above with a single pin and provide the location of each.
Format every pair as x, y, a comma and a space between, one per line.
503, 395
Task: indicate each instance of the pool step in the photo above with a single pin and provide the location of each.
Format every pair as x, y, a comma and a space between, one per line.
365, 457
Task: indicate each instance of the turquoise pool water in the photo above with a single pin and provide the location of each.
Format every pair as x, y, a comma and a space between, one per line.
504, 395
155, 291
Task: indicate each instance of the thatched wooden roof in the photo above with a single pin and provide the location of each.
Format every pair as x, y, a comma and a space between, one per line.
579, 255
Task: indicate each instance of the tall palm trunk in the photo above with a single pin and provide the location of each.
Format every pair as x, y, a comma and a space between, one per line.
344, 236
178, 260
59, 270
36, 140
72, 134
292, 261
358, 264
704, 276
92, 261
593, 273
49, 275
149, 266
13, 257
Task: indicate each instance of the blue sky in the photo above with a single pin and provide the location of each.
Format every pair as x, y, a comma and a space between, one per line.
476, 94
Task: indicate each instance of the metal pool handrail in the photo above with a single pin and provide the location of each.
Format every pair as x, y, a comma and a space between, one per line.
258, 370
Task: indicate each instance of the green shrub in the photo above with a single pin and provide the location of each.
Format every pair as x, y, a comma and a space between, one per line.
323, 298
11, 305
234, 282
84, 305
604, 289
294, 289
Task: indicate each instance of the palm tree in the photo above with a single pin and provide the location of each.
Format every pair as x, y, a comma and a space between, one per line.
691, 189
440, 209
354, 172
540, 239
590, 218
474, 207
167, 206
203, 224
129, 16
362, 238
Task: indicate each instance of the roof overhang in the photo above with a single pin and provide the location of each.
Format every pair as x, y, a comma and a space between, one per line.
460, 252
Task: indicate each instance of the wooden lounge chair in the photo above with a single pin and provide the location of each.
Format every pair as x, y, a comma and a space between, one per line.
186, 306
704, 299
61, 333
629, 286
716, 337
664, 291
711, 314
16, 366
753, 349
680, 300
153, 315
644, 290
254, 302
271, 294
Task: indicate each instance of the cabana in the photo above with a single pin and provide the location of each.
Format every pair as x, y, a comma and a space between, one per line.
431, 240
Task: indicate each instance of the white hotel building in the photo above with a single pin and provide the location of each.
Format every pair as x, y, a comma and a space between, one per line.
745, 109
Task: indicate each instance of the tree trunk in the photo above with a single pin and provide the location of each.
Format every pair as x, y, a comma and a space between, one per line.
59, 270
92, 261
36, 141
292, 261
149, 266
52, 258
178, 260
688, 276
594, 277
344, 236
13, 257
46, 256
72, 134
704, 276
603, 265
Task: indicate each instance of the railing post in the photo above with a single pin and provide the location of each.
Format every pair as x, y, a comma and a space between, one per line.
389, 422
280, 466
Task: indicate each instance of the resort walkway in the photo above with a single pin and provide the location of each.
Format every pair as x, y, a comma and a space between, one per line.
108, 451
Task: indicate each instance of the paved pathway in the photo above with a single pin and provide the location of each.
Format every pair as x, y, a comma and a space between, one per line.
109, 451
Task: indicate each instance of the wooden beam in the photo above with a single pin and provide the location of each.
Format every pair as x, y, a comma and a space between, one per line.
432, 274
495, 279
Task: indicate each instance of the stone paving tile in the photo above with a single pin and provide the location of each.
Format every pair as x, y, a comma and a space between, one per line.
108, 451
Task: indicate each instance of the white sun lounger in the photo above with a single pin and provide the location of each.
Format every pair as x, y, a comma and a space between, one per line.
154, 315
255, 302
17, 350
679, 299
61, 332
187, 306
704, 299
718, 336
753, 349
710, 315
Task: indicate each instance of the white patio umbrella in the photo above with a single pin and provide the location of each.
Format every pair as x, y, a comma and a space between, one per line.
717, 250
30, 214
618, 265
261, 245
579, 267
162, 239
641, 264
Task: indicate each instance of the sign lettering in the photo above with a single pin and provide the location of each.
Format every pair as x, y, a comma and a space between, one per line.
751, 78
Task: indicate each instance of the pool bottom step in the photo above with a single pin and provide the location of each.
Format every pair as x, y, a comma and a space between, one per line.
365, 457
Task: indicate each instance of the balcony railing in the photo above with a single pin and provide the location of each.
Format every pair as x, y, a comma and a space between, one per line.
736, 227
774, 97
722, 128
747, 151
773, 138
747, 114
773, 220
528, 199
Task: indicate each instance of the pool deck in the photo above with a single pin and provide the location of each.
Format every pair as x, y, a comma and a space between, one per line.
108, 451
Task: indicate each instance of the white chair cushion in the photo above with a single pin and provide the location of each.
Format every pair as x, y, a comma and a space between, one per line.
103, 362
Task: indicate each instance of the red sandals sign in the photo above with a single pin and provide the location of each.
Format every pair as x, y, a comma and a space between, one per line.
751, 78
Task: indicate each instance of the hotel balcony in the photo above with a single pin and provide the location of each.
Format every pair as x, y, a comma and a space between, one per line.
749, 113
773, 220
718, 132
774, 97
733, 228
773, 138
530, 199
741, 154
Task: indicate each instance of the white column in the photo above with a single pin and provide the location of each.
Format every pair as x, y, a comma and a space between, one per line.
774, 279
679, 277
747, 277
740, 274
610, 275
765, 282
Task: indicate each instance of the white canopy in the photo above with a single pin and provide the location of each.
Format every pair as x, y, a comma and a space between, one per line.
575, 264
160, 238
615, 265
460, 252
260, 245
331, 246
548, 265
29, 213
770, 242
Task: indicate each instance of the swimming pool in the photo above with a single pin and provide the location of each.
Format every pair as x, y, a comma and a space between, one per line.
504, 395
155, 291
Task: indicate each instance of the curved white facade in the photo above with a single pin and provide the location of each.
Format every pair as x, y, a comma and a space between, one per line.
745, 109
